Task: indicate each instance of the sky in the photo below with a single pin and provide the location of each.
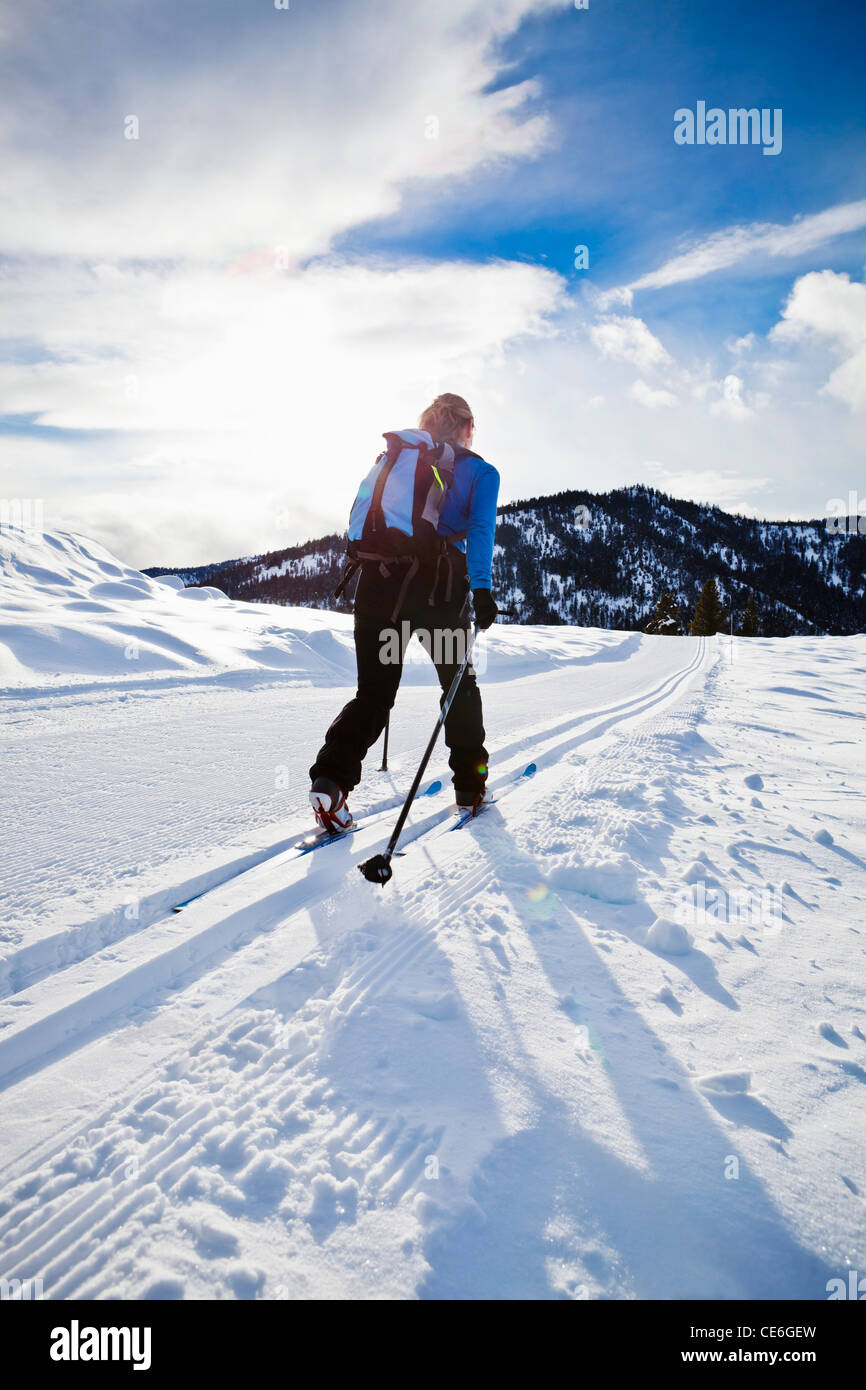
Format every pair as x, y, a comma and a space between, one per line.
239, 242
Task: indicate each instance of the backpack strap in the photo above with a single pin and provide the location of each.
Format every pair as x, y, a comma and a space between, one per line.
350, 568
444, 455
389, 458
396, 445
407, 580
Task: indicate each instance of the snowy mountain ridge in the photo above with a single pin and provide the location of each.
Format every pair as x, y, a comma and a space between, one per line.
603, 559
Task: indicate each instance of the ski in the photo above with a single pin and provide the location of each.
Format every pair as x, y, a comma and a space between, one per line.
323, 837
317, 838
466, 816
470, 815
307, 844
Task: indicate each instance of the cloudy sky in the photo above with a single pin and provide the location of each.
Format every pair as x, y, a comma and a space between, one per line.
238, 242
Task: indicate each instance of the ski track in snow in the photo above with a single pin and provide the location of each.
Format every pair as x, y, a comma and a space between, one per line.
519, 1071
47, 1016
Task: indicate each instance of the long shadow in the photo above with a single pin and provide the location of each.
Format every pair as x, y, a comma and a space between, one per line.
555, 1212
390, 1058
847, 854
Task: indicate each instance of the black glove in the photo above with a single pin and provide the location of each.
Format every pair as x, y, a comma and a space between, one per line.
485, 608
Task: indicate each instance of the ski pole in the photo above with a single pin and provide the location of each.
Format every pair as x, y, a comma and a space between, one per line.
384, 767
378, 869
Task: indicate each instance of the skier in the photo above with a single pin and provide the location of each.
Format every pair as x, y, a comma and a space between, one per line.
399, 596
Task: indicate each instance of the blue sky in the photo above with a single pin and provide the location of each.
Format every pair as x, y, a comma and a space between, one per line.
283, 245
612, 76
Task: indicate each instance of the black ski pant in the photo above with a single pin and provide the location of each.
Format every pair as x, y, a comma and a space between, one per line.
381, 638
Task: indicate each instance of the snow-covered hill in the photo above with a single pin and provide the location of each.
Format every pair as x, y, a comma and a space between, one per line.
608, 1042
72, 613
69, 610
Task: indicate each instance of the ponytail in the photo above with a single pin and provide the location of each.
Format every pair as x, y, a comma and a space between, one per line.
446, 419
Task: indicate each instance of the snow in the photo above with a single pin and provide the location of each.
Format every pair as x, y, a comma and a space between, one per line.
607, 1042
669, 938
70, 610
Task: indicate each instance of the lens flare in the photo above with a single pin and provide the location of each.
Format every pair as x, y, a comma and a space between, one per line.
541, 903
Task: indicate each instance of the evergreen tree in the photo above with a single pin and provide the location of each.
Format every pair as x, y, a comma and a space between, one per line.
709, 615
751, 624
665, 620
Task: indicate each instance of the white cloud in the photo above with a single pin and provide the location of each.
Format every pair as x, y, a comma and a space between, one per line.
238, 396
831, 306
194, 349
731, 402
549, 433
630, 340
164, 286
733, 245
262, 397
652, 399
740, 346
277, 444
719, 487
244, 409
268, 129
609, 299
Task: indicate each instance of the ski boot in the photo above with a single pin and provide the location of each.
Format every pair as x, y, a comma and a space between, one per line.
329, 804
471, 802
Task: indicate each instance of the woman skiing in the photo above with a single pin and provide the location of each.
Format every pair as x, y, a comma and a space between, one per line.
425, 590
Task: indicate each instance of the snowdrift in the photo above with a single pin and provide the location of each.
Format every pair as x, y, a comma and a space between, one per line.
71, 610
68, 607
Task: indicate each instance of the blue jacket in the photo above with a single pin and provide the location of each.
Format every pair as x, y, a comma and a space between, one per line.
470, 506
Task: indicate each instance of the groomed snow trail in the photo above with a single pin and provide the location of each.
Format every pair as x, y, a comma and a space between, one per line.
48, 1011
513, 1073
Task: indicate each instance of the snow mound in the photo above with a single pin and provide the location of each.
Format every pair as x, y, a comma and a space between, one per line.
610, 880
71, 612
207, 591
725, 1082
70, 609
697, 872
669, 938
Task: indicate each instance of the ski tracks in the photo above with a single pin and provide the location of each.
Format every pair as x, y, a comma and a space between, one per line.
244, 1139
75, 1003
258, 1139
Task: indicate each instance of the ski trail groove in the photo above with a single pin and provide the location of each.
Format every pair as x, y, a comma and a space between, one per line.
75, 1004
82, 1247
26, 966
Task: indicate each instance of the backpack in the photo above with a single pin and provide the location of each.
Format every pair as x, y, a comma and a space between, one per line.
395, 515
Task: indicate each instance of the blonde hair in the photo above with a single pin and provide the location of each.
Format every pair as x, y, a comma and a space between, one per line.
446, 419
